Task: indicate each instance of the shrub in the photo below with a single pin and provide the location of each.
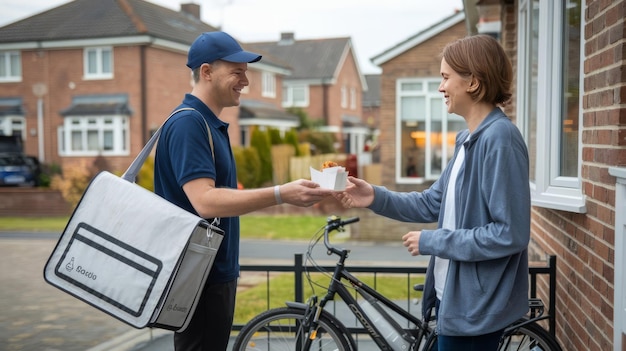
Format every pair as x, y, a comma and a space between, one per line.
275, 138
261, 142
145, 177
248, 166
48, 171
72, 182
321, 143
291, 138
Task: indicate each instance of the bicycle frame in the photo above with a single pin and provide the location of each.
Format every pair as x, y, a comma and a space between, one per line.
340, 276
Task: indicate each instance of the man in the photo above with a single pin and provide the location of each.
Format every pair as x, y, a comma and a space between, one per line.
200, 176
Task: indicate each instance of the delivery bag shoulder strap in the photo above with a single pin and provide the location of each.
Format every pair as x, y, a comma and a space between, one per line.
132, 171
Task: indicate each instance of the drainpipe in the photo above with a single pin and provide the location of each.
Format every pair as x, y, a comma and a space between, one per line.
471, 16
325, 103
40, 90
144, 92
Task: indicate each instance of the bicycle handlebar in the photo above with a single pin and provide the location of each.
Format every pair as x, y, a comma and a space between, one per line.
335, 223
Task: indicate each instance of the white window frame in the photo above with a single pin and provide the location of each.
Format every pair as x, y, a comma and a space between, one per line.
550, 190
100, 72
119, 126
288, 95
8, 66
12, 125
428, 151
268, 83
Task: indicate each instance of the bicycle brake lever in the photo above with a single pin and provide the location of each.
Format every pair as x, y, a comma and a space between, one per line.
330, 252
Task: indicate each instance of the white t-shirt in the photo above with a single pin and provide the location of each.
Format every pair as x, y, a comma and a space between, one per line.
449, 220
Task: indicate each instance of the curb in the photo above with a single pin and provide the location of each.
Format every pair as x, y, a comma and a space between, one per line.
129, 340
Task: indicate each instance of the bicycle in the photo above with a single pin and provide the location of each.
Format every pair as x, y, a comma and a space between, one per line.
308, 326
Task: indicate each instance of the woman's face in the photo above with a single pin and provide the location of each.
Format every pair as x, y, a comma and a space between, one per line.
454, 88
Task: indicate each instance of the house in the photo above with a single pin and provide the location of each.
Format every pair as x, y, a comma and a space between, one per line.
370, 101
93, 79
326, 83
569, 103
416, 132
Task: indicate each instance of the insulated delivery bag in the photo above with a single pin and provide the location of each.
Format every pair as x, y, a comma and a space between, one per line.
132, 254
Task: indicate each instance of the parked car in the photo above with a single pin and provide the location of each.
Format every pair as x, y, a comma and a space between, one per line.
17, 170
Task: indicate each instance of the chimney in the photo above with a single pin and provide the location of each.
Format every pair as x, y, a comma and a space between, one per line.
191, 9
286, 38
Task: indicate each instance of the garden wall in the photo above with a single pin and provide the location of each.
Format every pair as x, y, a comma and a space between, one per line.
32, 202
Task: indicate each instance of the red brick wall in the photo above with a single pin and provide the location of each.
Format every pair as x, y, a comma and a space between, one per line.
584, 243
32, 202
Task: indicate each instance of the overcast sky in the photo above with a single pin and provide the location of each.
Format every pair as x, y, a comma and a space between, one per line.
373, 25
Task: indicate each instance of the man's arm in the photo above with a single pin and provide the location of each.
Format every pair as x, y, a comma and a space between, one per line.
209, 201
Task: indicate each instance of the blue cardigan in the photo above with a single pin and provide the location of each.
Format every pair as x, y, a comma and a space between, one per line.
487, 283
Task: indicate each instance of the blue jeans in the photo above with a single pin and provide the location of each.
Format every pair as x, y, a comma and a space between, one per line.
485, 342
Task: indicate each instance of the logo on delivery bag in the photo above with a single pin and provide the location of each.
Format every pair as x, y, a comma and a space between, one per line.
80, 270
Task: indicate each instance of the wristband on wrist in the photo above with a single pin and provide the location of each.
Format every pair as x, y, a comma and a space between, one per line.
279, 200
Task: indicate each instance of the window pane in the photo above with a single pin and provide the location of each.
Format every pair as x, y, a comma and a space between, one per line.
106, 61
4, 63
77, 141
571, 84
92, 62
16, 65
298, 95
436, 147
412, 108
124, 146
108, 141
413, 86
436, 108
92, 140
456, 123
433, 87
413, 146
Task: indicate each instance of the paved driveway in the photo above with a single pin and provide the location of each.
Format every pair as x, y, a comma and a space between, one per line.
37, 316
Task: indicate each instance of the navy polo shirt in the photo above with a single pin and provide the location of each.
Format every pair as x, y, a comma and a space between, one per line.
183, 154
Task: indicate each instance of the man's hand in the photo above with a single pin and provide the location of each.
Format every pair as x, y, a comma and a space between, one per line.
303, 193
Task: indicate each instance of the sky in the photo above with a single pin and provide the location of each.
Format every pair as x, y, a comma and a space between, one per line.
373, 25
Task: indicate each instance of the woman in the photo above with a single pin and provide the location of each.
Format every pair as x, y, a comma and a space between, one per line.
477, 278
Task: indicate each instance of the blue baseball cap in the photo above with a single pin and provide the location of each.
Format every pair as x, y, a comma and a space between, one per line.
213, 46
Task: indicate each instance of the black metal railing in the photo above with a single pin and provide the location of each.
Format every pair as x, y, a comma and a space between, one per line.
299, 269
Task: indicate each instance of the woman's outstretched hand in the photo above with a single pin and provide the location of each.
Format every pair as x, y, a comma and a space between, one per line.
358, 193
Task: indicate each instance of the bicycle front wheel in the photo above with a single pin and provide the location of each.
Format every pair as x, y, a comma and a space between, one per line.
284, 329
529, 337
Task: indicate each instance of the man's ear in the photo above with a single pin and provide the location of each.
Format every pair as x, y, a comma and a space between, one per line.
205, 71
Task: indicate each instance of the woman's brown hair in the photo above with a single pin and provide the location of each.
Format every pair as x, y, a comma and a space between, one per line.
483, 58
